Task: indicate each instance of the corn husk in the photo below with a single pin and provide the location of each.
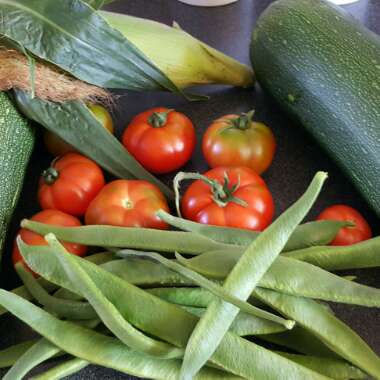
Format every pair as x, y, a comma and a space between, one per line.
183, 58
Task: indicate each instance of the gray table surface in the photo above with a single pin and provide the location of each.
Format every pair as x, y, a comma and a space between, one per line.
298, 157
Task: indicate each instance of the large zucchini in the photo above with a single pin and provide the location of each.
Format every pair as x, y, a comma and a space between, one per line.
16, 145
323, 67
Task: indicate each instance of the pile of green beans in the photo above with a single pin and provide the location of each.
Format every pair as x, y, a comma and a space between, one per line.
206, 315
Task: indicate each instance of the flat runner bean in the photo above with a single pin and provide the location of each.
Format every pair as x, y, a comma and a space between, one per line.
212, 287
243, 278
306, 235
135, 238
361, 255
106, 311
333, 332
234, 353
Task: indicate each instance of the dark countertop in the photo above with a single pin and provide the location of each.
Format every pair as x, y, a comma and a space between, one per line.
298, 157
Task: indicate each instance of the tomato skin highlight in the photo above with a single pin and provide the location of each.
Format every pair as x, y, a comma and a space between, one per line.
128, 203
58, 147
52, 217
160, 149
347, 235
197, 203
78, 181
225, 144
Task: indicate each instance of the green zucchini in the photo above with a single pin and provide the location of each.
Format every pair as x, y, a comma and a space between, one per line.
16, 145
323, 67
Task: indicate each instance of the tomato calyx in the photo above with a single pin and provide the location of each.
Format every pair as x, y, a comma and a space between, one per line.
159, 119
50, 175
222, 193
243, 121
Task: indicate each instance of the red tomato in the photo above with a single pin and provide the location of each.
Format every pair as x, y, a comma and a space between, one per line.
234, 140
70, 184
128, 203
162, 140
55, 218
347, 235
204, 205
58, 147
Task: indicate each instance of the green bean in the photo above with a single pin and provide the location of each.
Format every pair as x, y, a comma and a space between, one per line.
302, 341
97, 258
167, 321
291, 276
61, 307
9, 356
243, 278
245, 324
135, 238
361, 255
305, 235
62, 370
107, 312
144, 272
333, 332
211, 286
334, 368
38, 353
196, 297
95, 347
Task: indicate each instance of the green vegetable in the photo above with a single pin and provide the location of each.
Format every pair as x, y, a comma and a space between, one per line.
95, 347
333, 332
184, 59
134, 238
333, 368
361, 255
72, 121
243, 279
10, 355
211, 286
60, 371
306, 235
300, 340
21, 291
245, 324
145, 273
72, 26
234, 354
291, 276
60, 307
108, 313
17, 141
38, 353
322, 66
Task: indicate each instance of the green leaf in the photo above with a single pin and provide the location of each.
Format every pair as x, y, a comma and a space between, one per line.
243, 279
74, 123
325, 326
71, 35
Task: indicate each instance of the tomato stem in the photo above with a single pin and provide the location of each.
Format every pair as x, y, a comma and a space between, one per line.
50, 175
159, 119
222, 194
243, 121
